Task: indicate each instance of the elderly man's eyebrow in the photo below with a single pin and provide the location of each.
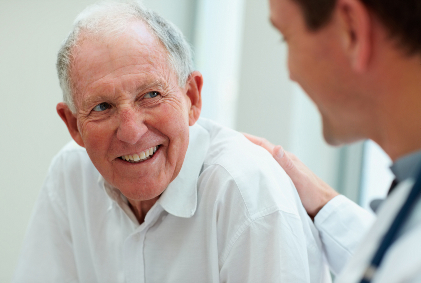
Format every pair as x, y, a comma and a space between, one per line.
156, 83
95, 99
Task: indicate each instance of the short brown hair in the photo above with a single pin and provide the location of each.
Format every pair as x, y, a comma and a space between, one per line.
401, 17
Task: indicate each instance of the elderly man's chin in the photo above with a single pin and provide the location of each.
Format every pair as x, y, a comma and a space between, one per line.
144, 180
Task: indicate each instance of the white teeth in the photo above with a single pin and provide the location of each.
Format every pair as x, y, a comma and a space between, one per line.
141, 156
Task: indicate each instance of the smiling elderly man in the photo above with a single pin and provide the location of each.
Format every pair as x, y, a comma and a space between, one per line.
149, 192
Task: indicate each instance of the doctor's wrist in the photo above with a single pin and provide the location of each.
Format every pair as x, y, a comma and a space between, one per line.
325, 198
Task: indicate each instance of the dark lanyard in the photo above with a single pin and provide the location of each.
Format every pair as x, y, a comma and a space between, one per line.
391, 235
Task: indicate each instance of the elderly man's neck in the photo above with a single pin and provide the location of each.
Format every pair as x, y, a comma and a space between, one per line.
141, 208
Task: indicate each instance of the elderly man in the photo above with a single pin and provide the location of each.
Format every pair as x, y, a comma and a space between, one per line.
149, 192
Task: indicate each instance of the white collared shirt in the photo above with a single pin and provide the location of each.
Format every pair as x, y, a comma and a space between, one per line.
342, 225
231, 215
350, 240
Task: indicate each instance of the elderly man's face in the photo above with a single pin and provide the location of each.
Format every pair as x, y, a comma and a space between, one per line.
132, 117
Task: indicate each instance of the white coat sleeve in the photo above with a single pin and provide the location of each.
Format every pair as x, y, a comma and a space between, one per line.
47, 254
342, 224
269, 249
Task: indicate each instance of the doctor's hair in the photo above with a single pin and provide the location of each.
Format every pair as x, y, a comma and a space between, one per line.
111, 19
402, 18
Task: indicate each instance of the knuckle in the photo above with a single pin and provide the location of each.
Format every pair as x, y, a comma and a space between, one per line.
290, 164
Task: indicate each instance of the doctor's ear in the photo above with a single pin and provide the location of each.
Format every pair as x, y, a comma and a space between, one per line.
356, 28
71, 122
194, 93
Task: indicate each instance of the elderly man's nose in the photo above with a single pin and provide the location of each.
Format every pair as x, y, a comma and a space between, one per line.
131, 128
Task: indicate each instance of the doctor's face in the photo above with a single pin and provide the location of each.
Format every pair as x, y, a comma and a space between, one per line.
132, 117
316, 61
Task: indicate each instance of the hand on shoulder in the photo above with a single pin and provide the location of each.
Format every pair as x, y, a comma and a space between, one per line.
313, 191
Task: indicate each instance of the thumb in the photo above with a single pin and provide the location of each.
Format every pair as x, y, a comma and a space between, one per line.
284, 160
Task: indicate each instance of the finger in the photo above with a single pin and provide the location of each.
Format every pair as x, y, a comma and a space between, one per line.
284, 160
260, 142
253, 139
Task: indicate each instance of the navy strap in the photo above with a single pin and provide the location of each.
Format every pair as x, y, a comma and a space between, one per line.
393, 186
392, 233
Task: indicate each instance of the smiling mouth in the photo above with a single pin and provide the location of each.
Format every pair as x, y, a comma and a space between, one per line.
142, 156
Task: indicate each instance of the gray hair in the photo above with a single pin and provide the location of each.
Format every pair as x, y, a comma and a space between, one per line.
112, 18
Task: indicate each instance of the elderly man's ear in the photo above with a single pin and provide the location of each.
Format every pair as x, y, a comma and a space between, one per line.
71, 122
194, 93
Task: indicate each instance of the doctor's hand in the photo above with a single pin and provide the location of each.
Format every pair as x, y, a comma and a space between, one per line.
313, 191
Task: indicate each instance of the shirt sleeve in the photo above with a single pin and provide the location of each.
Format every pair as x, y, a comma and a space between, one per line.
342, 224
271, 248
47, 254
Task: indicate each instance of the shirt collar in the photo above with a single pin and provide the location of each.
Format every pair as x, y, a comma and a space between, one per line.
117, 198
180, 197
407, 166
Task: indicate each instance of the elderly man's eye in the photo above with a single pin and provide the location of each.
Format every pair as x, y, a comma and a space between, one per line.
151, 94
101, 107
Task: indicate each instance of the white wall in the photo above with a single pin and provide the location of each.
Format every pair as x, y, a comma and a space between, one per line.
31, 131
271, 105
218, 46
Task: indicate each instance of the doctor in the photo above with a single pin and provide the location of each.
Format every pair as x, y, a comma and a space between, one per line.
360, 62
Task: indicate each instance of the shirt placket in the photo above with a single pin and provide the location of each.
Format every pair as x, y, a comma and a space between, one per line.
134, 248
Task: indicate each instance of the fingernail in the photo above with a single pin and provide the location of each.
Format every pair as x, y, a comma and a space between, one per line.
280, 152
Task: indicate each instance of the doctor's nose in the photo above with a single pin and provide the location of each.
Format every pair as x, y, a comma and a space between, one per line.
131, 127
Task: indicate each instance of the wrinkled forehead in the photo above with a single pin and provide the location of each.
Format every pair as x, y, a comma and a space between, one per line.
134, 50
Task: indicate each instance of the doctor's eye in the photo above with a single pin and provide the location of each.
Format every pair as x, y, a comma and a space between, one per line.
151, 94
101, 107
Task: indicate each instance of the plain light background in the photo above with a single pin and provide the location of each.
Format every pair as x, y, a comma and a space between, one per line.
247, 87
